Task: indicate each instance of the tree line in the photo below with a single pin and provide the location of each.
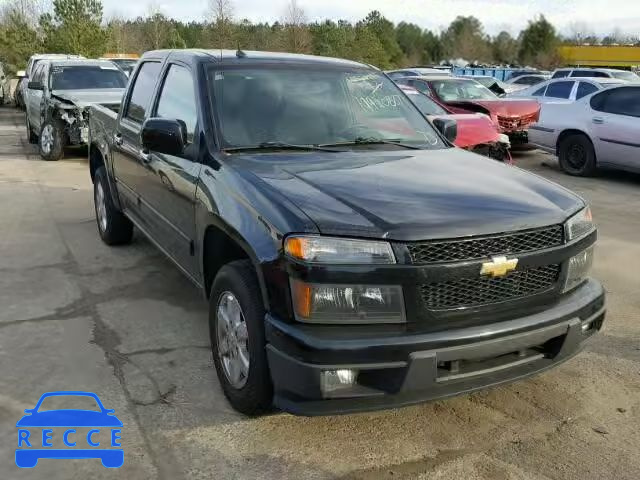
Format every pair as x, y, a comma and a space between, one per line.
78, 27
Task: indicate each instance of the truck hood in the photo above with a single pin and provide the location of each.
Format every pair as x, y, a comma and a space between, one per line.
505, 107
410, 194
84, 98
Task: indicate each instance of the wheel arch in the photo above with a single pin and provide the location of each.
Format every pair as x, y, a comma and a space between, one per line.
571, 131
222, 244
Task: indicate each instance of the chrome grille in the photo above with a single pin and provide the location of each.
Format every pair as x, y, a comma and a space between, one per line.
470, 292
474, 248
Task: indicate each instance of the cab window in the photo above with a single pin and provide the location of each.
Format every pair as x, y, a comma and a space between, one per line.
142, 93
178, 100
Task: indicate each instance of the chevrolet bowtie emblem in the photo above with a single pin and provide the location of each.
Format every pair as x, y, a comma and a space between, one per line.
498, 266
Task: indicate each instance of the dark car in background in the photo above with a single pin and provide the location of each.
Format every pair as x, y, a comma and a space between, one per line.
353, 259
58, 96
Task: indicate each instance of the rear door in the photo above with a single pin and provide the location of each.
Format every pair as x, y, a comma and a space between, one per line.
129, 160
616, 127
169, 189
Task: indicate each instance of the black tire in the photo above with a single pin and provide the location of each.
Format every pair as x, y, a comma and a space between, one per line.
55, 151
577, 156
116, 229
255, 397
31, 136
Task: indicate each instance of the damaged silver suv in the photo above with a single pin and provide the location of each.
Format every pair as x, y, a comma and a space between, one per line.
58, 97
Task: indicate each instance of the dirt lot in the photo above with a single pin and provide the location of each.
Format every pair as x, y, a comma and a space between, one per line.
122, 322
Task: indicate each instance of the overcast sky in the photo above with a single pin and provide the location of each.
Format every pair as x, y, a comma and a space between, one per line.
596, 16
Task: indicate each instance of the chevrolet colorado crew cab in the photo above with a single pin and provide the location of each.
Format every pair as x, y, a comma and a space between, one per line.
352, 258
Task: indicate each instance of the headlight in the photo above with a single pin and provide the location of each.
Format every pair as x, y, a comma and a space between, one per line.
579, 266
324, 303
580, 224
316, 249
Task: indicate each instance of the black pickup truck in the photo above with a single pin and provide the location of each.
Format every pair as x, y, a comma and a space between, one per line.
353, 259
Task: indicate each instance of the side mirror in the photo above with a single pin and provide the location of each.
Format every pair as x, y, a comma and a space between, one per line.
35, 86
21, 74
163, 136
447, 127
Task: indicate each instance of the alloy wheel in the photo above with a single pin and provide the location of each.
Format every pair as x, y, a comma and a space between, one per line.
232, 339
46, 139
101, 207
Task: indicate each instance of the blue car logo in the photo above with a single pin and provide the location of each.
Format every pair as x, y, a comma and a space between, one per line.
100, 425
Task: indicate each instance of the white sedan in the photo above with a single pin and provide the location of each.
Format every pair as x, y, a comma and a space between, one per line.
566, 89
599, 130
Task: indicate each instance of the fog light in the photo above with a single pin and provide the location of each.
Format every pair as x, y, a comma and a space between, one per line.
333, 381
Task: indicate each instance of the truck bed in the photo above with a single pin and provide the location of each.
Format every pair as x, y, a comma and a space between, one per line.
102, 121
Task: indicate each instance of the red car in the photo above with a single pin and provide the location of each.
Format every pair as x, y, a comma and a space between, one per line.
464, 95
476, 131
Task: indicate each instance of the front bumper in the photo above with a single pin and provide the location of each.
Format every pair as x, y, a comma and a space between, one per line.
403, 369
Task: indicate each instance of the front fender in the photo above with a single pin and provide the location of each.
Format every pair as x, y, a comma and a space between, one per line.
255, 217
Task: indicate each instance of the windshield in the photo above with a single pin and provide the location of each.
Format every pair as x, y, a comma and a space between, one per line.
315, 106
628, 76
86, 77
451, 90
425, 104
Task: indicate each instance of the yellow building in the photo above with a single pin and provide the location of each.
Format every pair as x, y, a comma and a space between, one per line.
601, 56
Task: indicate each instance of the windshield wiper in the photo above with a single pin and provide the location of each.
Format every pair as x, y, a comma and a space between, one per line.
373, 141
281, 146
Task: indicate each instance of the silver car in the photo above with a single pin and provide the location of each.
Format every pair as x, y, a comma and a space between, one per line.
566, 89
599, 130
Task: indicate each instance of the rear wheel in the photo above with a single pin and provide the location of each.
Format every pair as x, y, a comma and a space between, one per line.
236, 329
113, 226
576, 155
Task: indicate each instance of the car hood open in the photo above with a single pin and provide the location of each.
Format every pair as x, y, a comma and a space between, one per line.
505, 107
84, 98
409, 194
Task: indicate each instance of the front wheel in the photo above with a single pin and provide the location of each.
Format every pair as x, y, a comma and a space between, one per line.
236, 329
576, 155
51, 140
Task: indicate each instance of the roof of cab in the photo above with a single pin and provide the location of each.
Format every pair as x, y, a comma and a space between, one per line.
232, 55
79, 62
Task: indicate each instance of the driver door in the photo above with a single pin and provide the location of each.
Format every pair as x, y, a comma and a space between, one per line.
34, 98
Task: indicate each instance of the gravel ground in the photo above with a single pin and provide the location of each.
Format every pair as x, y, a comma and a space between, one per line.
125, 324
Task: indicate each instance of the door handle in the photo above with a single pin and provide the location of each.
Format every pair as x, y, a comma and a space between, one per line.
598, 120
145, 157
117, 139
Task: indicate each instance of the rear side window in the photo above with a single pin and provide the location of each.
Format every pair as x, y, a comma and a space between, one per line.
142, 93
178, 99
584, 89
539, 92
621, 101
559, 90
588, 73
561, 74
